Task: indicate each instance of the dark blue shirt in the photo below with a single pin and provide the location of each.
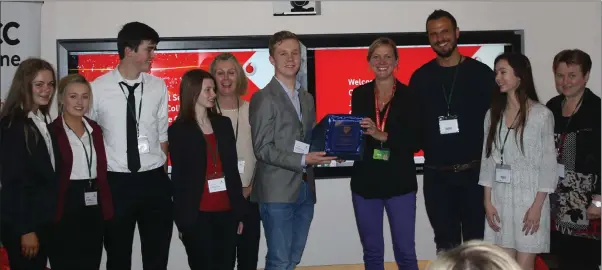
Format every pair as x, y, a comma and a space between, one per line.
470, 100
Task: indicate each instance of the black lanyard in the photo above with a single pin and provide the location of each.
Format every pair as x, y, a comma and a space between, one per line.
568, 122
451, 90
88, 157
507, 132
564, 132
237, 116
132, 110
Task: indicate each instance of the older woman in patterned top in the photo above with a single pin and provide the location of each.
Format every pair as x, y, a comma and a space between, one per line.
576, 202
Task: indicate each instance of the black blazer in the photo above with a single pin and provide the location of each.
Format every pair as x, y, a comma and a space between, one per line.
188, 155
29, 184
384, 179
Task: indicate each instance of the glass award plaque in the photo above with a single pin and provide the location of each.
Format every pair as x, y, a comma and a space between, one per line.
339, 135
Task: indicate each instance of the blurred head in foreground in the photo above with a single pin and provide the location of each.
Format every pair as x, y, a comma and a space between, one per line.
475, 255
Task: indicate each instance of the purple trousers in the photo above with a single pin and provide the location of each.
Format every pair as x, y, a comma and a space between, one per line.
401, 212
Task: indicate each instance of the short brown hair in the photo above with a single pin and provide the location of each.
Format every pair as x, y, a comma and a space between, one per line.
66, 81
241, 78
573, 57
279, 37
382, 41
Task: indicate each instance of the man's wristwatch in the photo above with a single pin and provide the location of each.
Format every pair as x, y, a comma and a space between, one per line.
597, 203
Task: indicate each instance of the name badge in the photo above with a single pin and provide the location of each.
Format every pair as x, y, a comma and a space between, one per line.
560, 170
241, 166
91, 198
216, 185
503, 173
143, 145
448, 124
381, 154
301, 147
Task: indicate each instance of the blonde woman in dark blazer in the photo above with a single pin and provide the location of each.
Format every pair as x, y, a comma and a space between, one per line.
84, 198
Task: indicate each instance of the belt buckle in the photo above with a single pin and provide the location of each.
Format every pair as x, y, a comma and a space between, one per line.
456, 167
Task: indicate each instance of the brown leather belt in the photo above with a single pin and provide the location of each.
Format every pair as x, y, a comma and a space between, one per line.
304, 177
456, 167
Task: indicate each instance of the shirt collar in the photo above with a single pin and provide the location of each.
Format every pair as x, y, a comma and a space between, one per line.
120, 78
287, 90
37, 116
88, 127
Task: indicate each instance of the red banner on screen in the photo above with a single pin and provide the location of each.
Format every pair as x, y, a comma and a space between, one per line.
339, 71
168, 66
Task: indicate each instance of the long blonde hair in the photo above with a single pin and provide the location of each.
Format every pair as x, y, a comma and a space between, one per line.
475, 255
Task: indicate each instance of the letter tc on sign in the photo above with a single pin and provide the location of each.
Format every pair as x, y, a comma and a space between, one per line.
5, 29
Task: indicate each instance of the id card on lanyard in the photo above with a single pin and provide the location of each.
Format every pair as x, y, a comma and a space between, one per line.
216, 182
241, 161
382, 153
503, 172
448, 124
90, 193
143, 143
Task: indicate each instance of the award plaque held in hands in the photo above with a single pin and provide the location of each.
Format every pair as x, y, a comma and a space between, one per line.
339, 135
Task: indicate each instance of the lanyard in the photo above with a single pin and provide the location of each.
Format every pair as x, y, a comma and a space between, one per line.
237, 116
213, 155
88, 157
301, 119
451, 90
565, 132
132, 110
507, 132
380, 126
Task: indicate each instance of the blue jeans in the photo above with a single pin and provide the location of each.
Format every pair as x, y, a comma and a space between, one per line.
286, 226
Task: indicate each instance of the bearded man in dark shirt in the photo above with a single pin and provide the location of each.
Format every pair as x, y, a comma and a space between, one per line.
454, 94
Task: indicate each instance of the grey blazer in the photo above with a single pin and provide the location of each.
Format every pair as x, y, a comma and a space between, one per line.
274, 129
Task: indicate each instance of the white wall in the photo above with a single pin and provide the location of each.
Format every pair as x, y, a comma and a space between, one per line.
548, 26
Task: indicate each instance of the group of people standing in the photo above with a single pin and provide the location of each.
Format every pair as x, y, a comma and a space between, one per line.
500, 166
85, 180
493, 155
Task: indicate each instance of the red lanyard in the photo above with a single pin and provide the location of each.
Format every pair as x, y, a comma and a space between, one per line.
380, 126
213, 156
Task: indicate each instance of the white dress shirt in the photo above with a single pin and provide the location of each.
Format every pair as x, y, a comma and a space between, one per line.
81, 157
39, 120
109, 111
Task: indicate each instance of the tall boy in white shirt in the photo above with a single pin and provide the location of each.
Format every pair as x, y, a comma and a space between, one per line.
131, 107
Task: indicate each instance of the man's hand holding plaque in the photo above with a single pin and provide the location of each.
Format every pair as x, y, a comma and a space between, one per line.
313, 158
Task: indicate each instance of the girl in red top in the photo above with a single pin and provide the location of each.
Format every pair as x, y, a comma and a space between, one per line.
207, 196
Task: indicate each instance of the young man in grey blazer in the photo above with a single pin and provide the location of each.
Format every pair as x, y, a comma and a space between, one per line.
282, 116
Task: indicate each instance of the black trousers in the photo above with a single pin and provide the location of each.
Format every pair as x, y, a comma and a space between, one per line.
143, 198
573, 252
454, 206
11, 240
77, 237
247, 244
211, 242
